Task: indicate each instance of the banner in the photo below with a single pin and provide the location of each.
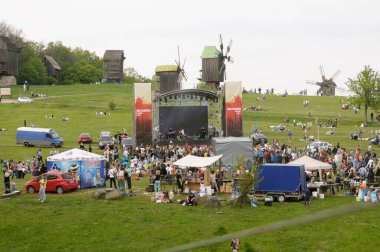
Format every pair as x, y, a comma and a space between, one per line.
142, 113
233, 109
85, 172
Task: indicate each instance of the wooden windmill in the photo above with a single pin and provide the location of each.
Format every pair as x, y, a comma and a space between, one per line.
171, 76
113, 66
213, 64
9, 61
327, 86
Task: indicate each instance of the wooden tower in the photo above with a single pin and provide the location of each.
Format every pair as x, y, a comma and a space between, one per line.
52, 68
170, 78
113, 66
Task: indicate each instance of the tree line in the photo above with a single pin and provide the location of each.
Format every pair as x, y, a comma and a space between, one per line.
79, 66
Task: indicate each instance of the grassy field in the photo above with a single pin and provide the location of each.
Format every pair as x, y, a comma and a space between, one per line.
76, 222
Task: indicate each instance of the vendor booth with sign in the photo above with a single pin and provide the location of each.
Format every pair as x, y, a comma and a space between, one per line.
86, 167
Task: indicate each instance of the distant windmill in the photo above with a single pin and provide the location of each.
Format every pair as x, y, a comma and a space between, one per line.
327, 86
213, 64
171, 76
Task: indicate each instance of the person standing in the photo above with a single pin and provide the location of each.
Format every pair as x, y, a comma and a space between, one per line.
235, 245
128, 175
7, 181
111, 175
213, 181
157, 182
121, 179
42, 192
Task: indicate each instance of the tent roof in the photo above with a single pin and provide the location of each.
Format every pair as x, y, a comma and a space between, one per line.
311, 163
194, 161
231, 139
75, 154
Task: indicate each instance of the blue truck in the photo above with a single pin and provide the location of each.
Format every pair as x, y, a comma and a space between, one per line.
281, 181
41, 137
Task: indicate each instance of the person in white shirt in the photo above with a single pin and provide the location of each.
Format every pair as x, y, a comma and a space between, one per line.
111, 175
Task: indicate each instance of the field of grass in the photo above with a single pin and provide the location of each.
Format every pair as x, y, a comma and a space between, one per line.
76, 222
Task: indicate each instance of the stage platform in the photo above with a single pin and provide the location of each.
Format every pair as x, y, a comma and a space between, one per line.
181, 142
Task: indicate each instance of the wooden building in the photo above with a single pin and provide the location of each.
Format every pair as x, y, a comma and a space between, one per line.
113, 66
52, 68
9, 57
213, 68
170, 78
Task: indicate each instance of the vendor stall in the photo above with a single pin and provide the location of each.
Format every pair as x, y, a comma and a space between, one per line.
313, 164
86, 167
197, 162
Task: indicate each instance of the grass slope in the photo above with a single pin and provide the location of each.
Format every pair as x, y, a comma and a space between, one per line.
76, 222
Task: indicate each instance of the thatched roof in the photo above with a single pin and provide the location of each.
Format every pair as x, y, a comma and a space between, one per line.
166, 68
52, 62
111, 55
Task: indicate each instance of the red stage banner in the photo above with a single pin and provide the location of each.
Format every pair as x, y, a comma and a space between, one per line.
234, 112
142, 113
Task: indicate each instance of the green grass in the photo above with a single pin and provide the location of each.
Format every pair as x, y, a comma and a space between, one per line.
76, 222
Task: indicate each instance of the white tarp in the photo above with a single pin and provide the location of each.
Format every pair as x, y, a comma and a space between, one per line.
75, 154
311, 163
194, 161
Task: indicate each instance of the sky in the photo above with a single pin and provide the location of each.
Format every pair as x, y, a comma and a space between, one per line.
276, 43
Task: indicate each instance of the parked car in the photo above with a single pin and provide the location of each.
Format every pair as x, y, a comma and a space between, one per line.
105, 139
104, 133
318, 146
85, 138
127, 142
25, 100
56, 182
259, 138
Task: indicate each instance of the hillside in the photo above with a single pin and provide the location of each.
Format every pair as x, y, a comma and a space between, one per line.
81, 102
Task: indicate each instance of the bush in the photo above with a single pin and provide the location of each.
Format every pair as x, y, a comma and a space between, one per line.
111, 105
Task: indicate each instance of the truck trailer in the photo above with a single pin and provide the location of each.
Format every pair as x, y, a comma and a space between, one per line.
281, 181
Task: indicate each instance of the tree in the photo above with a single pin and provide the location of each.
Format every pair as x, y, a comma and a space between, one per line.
366, 88
32, 69
9, 31
249, 179
132, 76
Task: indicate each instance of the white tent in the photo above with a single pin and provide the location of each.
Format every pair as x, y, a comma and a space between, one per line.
311, 163
75, 154
83, 165
194, 161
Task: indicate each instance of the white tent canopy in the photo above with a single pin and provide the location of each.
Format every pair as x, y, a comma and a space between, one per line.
75, 154
194, 161
311, 163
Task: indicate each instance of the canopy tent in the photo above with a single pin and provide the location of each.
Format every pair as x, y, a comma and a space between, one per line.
194, 161
311, 163
75, 154
232, 148
85, 166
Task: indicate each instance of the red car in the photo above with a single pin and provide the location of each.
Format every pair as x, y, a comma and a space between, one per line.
85, 138
56, 182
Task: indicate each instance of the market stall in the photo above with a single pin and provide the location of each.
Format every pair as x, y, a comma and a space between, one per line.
86, 167
188, 161
313, 164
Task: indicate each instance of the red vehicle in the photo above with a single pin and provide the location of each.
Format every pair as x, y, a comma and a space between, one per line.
85, 138
56, 182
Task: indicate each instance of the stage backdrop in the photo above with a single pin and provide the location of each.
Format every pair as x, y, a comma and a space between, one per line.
188, 118
233, 109
142, 113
